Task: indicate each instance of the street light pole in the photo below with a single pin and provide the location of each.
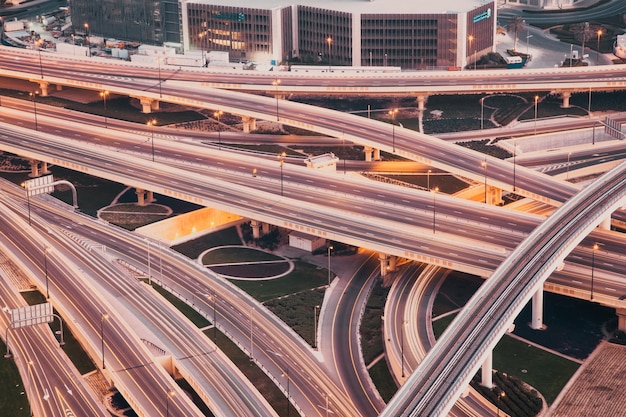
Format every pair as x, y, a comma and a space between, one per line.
281, 158
104, 95
435, 191
45, 265
536, 100
402, 347
330, 248
33, 95
482, 112
329, 40
214, 296
103, 317
569, 154
218, 114
315, 325
393, 113
428, 179
484, 165
170, 393
151, 123
594, 248
286, 374
514, 164
275, 83
470, 38
599, 33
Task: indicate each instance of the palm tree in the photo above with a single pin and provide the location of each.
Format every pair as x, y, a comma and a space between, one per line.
583, 33
516, 24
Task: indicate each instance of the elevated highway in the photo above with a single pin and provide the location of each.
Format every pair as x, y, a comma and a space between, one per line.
446, 371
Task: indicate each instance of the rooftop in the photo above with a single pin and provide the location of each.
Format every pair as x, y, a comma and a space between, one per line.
361, 6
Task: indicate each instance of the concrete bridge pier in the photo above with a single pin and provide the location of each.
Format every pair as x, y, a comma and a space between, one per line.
368, 153
536, 322
43, 87
148, 105
384, 263
494, 195
256, 229
621, 319
376, 154
421, 102
486, 374
249, 124
150, 197
605, 224
565, 96
265, 228
34, 168
141, 196
44, 168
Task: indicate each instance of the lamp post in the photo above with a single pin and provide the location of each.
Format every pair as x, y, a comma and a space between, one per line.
428, 179
170, 393
315, 325
45, 267
160, 83
329, 41
151, 123
536, 100
275, 83
104, 95
528, 36
103, 317
33, 94
599, 33
87, 39
484, 165
393, 113
330, 248
214, 299
218, 115
470, 38
571, 53
30, 385
514, 162
482, 112
39, 43
435, 191
594, 248
501, 395
402, 347
569, 154
281, 158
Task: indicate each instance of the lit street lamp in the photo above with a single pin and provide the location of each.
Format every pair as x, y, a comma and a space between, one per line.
218, 114
599, 33
104, 95
402, 347
286, 374
470, 38
435, 191
315, 325
484, 165
33, 95
594, 248
45, 266
393, 113
329, 41
275, 83
536, 100
330, 248
281, 158
501, 395
151, 123
103, 317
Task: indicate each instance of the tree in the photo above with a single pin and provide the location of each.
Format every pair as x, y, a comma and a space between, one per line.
583, 33
515, 25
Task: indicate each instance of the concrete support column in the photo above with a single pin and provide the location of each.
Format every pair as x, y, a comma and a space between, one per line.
421, 101
368, 153
150, 197
486, 375
59, 87
621, 319
384, 263
34, 168
605, 224
141, 196
376, 154
565, 96
249, 124
494, 195
392, 262
265, 228
44, 167
147, 104
256, 229
43, 88
536, 322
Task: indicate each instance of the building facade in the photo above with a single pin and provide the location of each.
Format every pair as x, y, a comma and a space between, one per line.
412, 35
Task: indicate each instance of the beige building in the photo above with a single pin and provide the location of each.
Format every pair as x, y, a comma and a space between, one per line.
410, 35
